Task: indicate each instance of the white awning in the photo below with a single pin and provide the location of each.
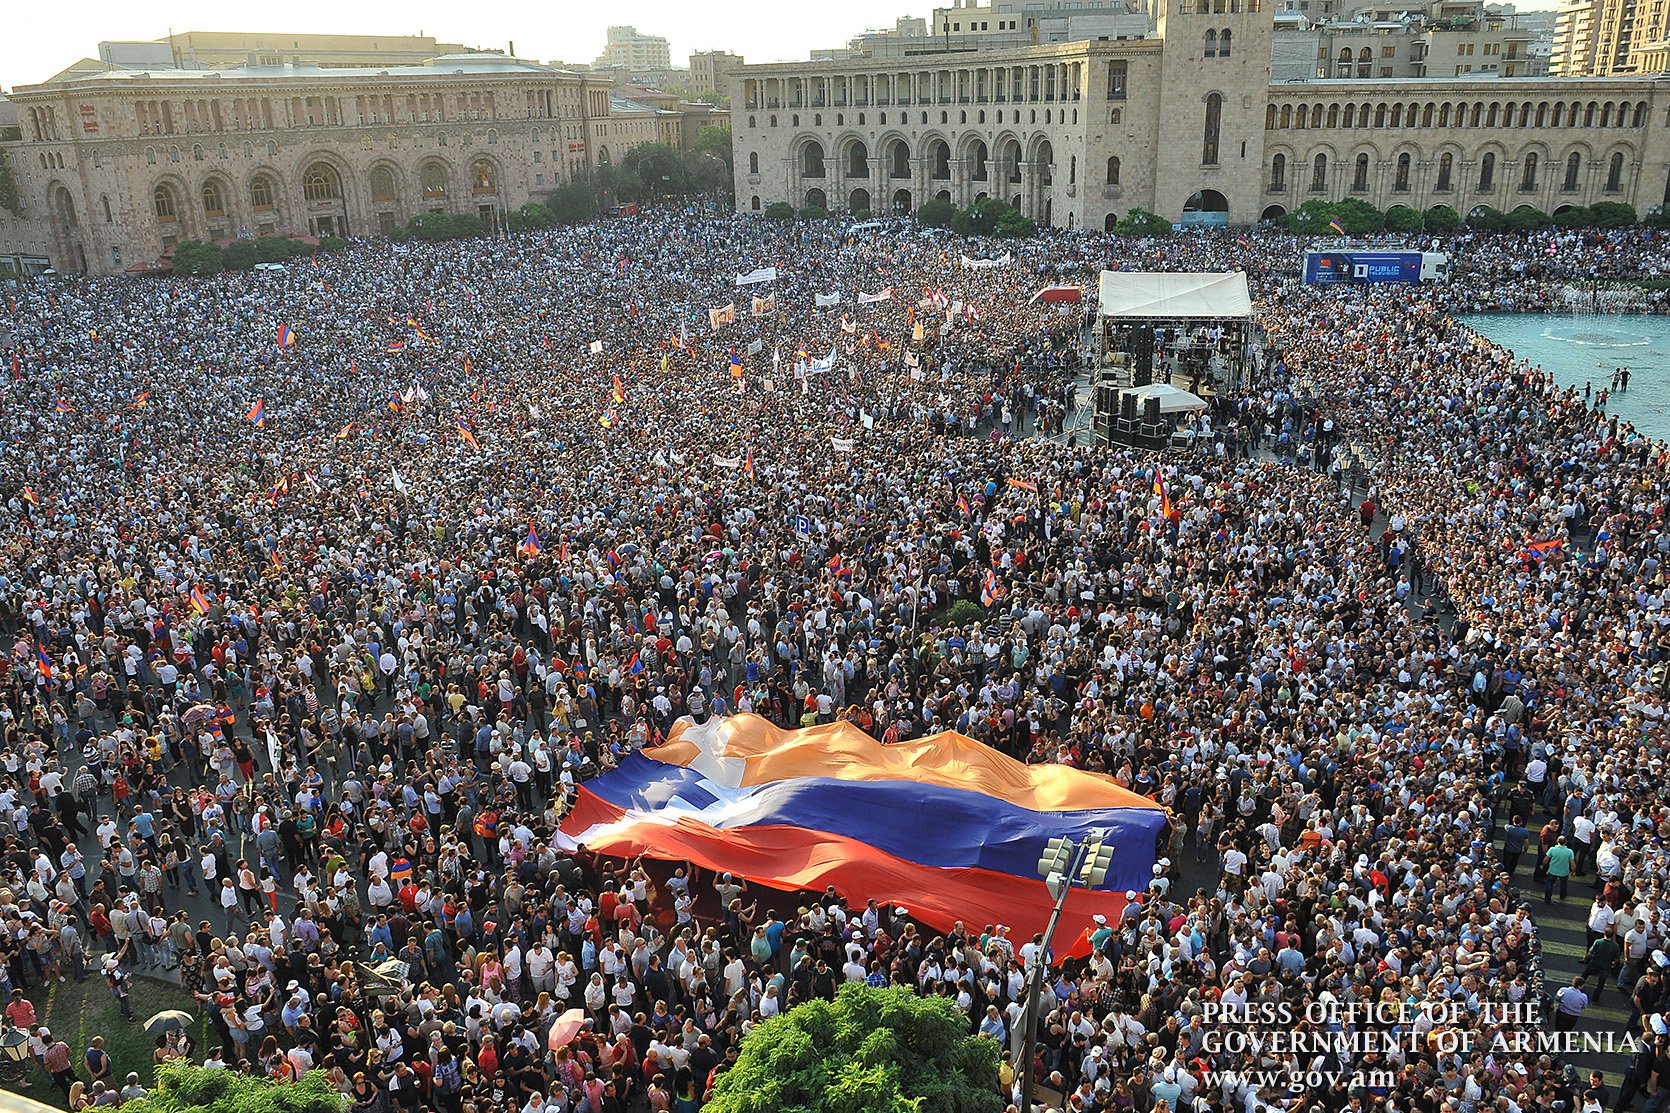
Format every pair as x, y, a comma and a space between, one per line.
1160, 295
1173, 399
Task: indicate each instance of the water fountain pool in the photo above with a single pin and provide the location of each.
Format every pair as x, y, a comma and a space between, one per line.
1585, 347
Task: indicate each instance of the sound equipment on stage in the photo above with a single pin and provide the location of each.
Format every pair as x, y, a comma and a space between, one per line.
1128, 405
1142, 354
1150, 410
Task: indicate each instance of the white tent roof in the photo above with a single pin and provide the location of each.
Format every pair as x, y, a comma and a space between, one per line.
1154, 294
1173, 399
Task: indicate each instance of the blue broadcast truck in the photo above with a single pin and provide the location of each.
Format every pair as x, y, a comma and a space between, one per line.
1328, 267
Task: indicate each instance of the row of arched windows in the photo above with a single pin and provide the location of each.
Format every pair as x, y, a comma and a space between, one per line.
1493, 114
1570, 180
1217, 43
321, 183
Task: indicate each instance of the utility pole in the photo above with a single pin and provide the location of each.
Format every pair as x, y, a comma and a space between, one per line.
1062, 862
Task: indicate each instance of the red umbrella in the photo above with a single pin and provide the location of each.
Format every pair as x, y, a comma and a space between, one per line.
565, 1028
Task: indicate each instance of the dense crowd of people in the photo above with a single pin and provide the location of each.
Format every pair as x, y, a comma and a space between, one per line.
326, 588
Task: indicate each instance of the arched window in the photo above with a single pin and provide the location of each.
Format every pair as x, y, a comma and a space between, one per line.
320, 183
1615, 173
382, 184
753, 162
484, 177
1223, 43
1319, 174
1574, 166
1301, 118
261, 193
214, 204
1359, 175
1528, 180
1211, 43
1446, 167
1400, 181
1113, 169
434, 181
1333, 116
811, 160
898, 159
1487, 172
1278, 173
858, 161
1286, 116
162, 198
1214, 121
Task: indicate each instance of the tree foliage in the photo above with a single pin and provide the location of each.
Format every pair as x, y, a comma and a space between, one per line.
1401, 218
572, 203
1487, 218
1315, 217
1528, 219
183, 1088
779, 210
197, 257
1612, 214
1141, 222
435, 227
868, 1051
936, 214
1441, 219
1013, 226
980, 218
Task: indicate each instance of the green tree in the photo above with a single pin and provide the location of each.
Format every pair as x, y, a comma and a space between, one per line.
332, 243
1013, 226
530, 217
1573, 216
714, 141
936, 214
10, 200
1612, 214
868, 1051
1658, 216
1527, 219
1441, 219
980, 218
1358, 216
1141, 222
619, 183
572, 203
780, 211
1401, 218
183, 1088
660, 169
196, 257
1487, 218
240, 255
706, 172
273, 249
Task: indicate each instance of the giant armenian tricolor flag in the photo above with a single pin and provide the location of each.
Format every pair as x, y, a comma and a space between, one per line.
943, 826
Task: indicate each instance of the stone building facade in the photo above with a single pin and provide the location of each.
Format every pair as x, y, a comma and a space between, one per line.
114, 168
1187, 124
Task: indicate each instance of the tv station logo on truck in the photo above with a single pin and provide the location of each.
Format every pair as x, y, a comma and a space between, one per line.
1330, 267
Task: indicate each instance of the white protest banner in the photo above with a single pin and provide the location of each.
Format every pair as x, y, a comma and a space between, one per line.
754, 277
825, 300
885, 294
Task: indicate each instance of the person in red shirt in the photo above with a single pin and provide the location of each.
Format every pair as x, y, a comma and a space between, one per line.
20, 1011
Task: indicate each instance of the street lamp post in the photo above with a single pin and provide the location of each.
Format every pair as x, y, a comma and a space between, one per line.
1062, 862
